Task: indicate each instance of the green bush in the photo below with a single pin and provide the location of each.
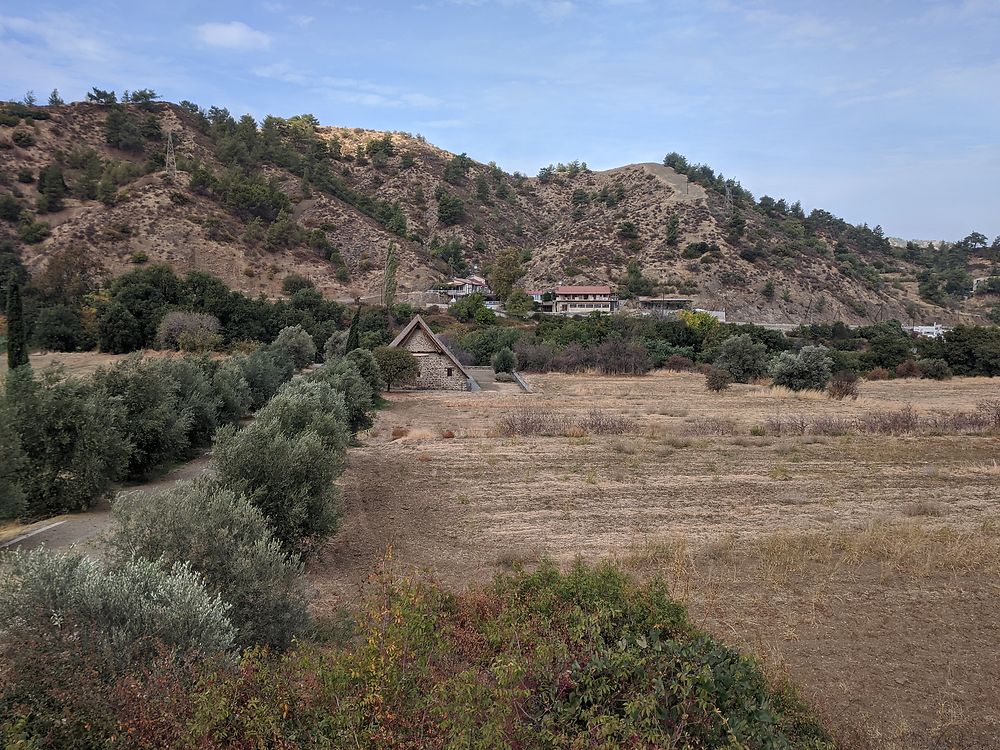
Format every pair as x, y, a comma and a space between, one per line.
264, 372
310, 405
72, 436
934, 369
367, 365
127, 610
347, 380
807, 370
742, 357
289, 478
504, 361
12, 464
200, 400
226, 540
156, 425
189, 332
536, 660
235, 397
60, 329
294, 343
717, 379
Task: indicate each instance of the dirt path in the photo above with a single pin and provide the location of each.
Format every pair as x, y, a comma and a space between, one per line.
82, 530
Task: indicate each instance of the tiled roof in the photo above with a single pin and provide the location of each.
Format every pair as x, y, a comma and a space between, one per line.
583, 290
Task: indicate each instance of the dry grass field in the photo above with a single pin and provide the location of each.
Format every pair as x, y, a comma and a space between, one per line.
862, 567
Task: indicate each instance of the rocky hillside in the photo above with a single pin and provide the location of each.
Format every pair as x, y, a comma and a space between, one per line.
254, 202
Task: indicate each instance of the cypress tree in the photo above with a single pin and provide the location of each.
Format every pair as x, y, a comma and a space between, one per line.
353, 336
17, 347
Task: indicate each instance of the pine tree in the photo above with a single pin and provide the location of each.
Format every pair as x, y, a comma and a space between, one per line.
17, 347
353, 335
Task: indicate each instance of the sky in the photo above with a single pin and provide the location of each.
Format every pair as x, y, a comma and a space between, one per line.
880, 111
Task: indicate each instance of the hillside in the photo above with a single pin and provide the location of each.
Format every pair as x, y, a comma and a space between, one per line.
253, 203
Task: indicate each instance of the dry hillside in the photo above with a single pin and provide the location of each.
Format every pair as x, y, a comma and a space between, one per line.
575, 225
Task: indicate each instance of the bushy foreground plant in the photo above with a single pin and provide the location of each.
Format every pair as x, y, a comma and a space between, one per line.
539, 660
227, 540
189, 332
368, 366
310, 405
127, 609
805, 371
289, 478
264, 371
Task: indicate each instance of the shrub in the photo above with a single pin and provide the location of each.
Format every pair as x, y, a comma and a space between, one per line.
188, 331
156, 425
335, 345
72, 438
934, 369
879, 373
293, 282
679, 363
907, 369
60, 328
532, 356
542, 422
368, 367
618, 357
227, 540
397, 366
12, 464
717, 379
127, 610
235, 397
742, 357
23, 138
807, 370
310, 405
289, 478
196, 392
297, 345
504, 361
844, 384
264, 372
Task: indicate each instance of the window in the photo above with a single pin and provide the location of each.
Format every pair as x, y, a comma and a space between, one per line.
450, 371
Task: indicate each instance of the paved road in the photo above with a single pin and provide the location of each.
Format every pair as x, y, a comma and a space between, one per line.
83, 530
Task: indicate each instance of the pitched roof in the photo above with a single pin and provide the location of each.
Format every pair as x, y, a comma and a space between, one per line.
583, 290
420, 323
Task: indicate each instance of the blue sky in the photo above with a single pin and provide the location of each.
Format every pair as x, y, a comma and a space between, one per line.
883, 111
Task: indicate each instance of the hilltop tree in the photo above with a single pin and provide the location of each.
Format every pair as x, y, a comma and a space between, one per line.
54, 99
100, 96
17, 345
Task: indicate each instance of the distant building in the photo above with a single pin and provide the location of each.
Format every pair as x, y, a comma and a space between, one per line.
583, 300
663, 305
439, 369
931, 332
462, 287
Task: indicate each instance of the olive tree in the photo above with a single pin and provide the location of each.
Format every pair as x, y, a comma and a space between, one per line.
809, 370
227, 540
742, 357
127, 610
398, 366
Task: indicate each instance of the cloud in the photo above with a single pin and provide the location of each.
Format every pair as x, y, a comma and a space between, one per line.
348, 90
57, 32
234, 35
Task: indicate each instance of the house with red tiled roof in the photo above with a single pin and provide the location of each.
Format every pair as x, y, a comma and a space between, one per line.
583, 300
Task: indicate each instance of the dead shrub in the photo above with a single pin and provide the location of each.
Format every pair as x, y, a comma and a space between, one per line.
548, 423
711, 427
843, 384
679, 363
447, 434
879, 373
924, 508
908, 369
399, 432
